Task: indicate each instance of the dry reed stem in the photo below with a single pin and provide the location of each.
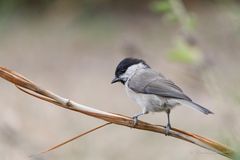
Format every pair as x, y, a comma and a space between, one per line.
76, 137
31, 88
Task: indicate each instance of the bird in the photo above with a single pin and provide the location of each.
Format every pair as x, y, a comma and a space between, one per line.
151, 90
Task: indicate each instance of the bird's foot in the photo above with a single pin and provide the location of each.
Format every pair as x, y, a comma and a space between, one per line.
135, 120
167, 129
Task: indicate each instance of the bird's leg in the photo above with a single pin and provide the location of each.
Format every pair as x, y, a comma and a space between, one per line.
168, 126
135, 118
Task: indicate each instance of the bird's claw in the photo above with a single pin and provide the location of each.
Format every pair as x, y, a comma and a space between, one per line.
167, 129
135, 120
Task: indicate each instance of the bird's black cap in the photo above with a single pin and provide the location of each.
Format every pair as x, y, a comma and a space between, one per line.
123, 66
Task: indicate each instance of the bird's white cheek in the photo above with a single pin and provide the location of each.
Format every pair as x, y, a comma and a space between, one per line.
124, 77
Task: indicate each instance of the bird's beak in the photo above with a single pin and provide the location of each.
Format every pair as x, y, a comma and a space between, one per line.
116, 79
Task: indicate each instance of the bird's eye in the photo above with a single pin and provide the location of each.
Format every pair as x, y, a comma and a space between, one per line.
122, 71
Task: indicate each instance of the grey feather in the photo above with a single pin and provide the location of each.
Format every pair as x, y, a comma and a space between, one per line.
150, 82
195, 106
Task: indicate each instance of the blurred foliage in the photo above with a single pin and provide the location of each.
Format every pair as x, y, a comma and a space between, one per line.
174, 10
163, 6
7, 6
191, 22
185, 53
160, 6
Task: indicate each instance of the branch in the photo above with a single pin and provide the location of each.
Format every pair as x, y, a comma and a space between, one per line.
31, 88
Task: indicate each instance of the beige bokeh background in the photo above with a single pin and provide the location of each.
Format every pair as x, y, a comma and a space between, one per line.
76, 59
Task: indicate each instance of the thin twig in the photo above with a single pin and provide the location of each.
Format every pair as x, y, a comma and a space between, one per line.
76, 137
31, 88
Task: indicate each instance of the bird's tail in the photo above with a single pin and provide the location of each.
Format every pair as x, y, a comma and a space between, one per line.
195, 106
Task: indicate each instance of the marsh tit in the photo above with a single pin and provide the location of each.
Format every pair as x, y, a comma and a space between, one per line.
151, 90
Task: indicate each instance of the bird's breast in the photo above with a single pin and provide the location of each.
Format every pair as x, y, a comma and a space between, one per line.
148, 102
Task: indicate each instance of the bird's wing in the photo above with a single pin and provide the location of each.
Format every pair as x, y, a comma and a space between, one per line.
150, 82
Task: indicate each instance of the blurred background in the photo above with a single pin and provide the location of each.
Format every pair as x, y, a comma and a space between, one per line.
72, 48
